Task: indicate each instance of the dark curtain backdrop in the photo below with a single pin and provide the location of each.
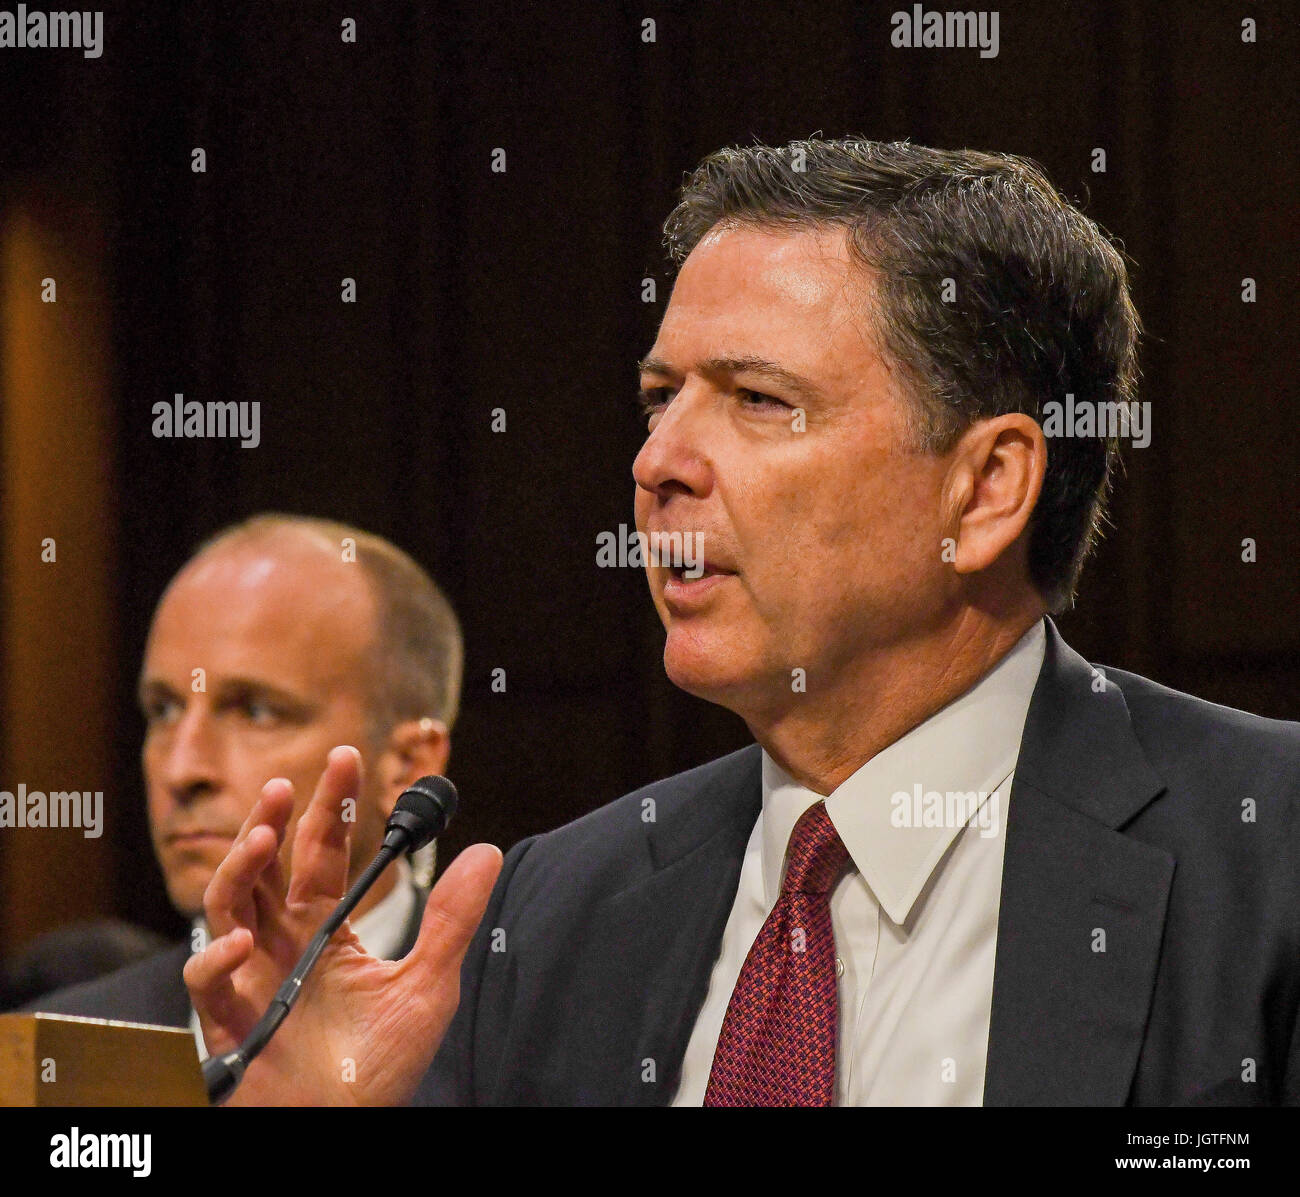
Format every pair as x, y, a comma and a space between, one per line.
523, 291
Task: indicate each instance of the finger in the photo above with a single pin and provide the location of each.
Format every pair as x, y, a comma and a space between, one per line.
208, 977
272, 809
319, 862
229, 900
274, 805
207, 971
452, 915
273, 878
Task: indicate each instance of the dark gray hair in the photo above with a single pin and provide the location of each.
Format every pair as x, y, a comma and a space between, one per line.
1039, 298
417, 655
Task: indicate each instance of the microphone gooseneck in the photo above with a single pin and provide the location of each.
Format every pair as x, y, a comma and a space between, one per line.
421, 814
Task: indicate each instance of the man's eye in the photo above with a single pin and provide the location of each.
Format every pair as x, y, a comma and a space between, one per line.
161, 710
258, 711
653, 399
758, 399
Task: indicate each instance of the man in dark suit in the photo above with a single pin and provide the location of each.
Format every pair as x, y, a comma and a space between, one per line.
281, 636
960, 866
1126, 817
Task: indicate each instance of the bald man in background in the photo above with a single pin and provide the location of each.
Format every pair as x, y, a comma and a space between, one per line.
280, 638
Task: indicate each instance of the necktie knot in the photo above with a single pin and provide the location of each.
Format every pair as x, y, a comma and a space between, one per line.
816, 856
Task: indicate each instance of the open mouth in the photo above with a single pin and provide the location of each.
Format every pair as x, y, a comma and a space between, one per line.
693, 580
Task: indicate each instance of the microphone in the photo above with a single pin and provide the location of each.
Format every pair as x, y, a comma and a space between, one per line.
421, 814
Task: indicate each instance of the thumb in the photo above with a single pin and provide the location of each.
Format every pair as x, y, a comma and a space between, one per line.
453, 912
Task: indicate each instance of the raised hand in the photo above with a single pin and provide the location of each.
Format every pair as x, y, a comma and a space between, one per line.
364, 1031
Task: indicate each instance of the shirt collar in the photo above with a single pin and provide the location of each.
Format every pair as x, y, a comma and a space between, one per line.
964, 754
383, 927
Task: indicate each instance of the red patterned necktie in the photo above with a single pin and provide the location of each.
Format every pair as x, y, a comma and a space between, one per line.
777, 1046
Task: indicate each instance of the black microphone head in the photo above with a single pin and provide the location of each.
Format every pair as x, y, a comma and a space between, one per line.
424, 810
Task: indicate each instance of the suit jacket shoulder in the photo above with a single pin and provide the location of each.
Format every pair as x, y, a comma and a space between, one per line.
619, 843
1149, 930
151, 990
1190, 740
582, 982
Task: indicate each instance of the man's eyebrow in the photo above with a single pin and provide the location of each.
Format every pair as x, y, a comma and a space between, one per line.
741, 365
154, 687
241, 686
151, 687
653, 365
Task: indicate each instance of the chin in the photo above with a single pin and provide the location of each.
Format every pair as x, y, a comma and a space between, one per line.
711, 674
186, 893
188, 905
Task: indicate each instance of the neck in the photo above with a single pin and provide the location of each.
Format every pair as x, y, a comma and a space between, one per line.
822, 739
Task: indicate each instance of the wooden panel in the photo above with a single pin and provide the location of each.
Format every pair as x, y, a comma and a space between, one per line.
58, 486
54, 1060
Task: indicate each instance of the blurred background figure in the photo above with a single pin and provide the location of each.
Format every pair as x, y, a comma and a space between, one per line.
282, 637
73, 955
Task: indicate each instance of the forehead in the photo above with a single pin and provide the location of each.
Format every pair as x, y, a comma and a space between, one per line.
288, 611
796, 296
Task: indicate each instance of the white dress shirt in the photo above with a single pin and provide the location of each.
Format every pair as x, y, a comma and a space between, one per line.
916, 915
381, 930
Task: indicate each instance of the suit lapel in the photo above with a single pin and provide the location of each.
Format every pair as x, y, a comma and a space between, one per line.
1083, 905
660, 936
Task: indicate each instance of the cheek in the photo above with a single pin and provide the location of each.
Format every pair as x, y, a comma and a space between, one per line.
641, 503
872, 531
297, 752
159, 811
302, 758
251, 764
159, 805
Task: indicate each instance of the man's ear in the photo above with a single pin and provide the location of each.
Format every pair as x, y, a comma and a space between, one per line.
993, 486
414, 749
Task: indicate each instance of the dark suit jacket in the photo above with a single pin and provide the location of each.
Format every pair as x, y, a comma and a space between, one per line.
1169, 823
153, 991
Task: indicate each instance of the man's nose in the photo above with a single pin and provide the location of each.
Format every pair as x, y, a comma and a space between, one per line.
674, 458
191, 762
